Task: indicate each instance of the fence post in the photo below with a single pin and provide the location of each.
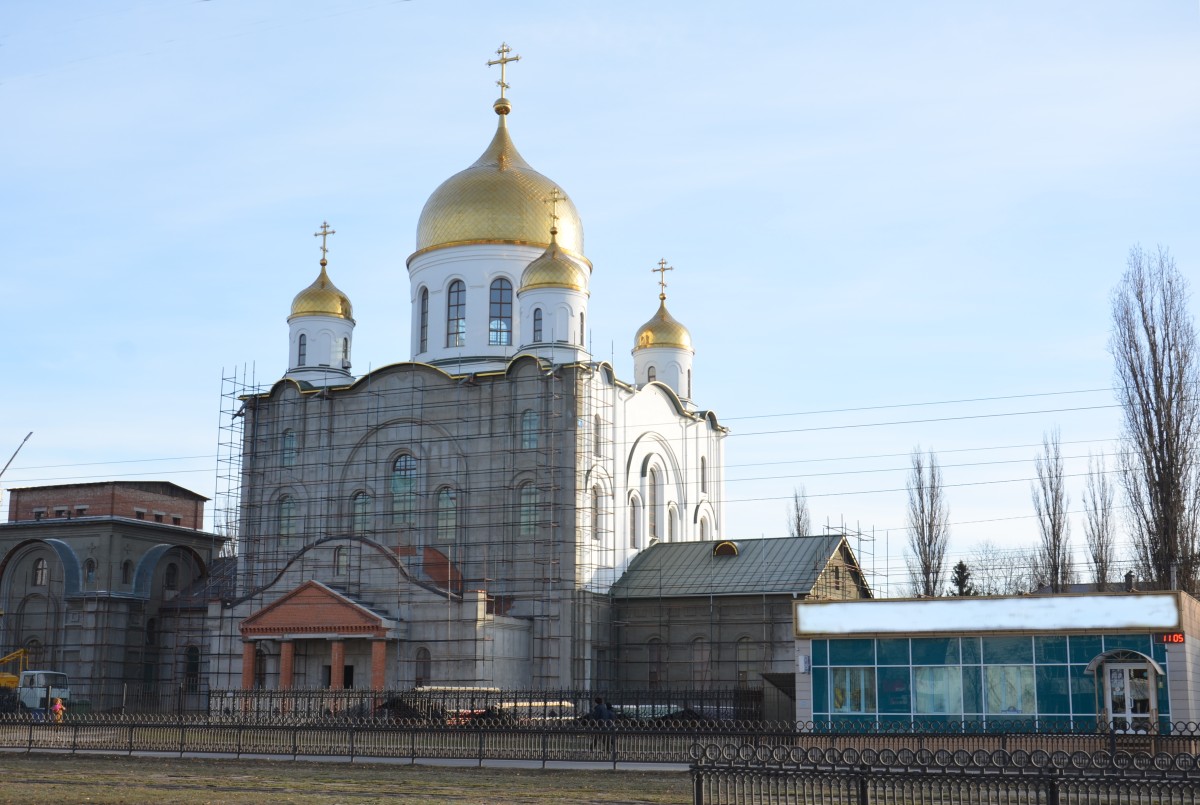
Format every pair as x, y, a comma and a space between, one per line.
697, 786
1052, 791
182, 735
864, 792
351, 743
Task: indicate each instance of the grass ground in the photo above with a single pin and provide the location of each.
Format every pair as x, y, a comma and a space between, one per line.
30, 779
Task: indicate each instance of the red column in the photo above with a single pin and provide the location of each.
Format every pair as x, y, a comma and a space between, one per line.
248, 657
337, 665
287, 664
378, 664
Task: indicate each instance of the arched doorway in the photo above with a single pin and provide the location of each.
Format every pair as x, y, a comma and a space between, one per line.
1127, 690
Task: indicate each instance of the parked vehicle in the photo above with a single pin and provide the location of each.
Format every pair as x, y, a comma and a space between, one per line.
30, 690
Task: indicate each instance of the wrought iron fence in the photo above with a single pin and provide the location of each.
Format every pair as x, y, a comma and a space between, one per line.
732, 773
455, 705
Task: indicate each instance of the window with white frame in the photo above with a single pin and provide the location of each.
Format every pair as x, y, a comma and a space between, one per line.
404, 488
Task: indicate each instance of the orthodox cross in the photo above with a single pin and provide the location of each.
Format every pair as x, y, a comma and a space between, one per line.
553, 199
662, 270
503, 60
323, 234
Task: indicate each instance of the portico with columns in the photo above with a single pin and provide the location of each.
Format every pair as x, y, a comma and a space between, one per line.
328, 628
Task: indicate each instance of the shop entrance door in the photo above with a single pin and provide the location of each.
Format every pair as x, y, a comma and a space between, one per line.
1128, 689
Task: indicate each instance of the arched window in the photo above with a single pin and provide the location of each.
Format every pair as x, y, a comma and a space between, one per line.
404, 488
530, 423
191, 669
287, 516
701, 665
537, 325
652, 502
288, 452
635, 521
689, 385
260, 668
345, 352
597, 436
447, 514
703, 529
424, 337
670, 524
151, 631
89, 571
651, 374
341, 561
656, 662
456, 315
41, 571
500, 314
527, 510
595, 512
424, 667
582, 331
171, 577
127, 572
302, 350
361, 514
745, 659
703, 476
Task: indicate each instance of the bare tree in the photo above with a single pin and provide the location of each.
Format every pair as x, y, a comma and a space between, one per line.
799, 520
1050, 502
1153, 343
1003, 571
928, 525
1099, 525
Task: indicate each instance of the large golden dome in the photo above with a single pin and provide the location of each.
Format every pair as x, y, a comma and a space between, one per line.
322, 298
662, 331
554, 269
499, 199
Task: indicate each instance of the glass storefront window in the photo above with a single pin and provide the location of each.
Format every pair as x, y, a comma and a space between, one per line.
937, 691
1009, 690
852, 690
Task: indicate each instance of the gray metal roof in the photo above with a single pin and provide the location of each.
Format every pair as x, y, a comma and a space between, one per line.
772, 566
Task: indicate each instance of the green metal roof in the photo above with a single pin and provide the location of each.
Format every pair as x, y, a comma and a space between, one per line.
762, 566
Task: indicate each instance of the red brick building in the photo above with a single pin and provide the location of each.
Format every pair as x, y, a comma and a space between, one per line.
156, 501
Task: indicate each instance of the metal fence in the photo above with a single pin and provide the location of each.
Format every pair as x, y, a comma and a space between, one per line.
502, 706
731, 773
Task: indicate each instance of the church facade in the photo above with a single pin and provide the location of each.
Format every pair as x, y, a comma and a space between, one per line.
459, 517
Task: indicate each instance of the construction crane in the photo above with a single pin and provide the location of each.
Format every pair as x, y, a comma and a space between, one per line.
14, 455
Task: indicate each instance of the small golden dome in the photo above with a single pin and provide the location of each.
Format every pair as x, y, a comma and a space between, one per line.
322, 298
499, 199
662, 331
554, 269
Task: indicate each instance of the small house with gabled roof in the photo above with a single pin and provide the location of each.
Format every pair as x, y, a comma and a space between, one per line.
718, 614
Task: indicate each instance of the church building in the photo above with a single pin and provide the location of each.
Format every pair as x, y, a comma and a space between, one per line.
459, 517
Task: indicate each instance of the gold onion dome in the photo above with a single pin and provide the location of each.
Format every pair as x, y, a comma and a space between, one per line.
662, 331
554, 269
499, 199
322, 298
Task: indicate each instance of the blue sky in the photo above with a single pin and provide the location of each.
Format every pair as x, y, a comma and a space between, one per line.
914, 210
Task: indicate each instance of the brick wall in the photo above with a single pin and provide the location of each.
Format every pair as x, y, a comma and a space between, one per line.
151, 501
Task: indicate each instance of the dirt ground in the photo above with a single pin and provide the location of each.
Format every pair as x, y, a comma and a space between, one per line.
107, 779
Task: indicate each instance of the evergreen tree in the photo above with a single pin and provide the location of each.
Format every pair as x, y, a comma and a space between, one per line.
960, 580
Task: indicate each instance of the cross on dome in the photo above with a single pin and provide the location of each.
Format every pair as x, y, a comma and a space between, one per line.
553, 199
662, 270
323, 234
504, 59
